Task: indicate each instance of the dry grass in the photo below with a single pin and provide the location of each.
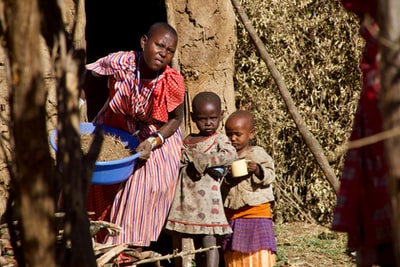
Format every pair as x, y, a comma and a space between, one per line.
112, 147
316, 47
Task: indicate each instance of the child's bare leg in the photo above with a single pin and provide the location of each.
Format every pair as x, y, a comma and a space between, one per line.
212, 256
177, 245
209, 258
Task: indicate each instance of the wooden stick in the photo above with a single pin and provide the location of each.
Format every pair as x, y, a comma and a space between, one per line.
110, 254
174, 255
374, 138
365, 141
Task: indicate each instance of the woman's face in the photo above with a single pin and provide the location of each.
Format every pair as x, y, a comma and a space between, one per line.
158, 49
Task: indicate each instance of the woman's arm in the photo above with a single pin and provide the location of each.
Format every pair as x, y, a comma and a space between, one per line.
175, 118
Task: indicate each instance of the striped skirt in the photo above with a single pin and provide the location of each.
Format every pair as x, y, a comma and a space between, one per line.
141, 204
250, 235
252, 243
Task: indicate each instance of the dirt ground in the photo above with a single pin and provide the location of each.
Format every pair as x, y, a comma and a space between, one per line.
304, 244
299, 245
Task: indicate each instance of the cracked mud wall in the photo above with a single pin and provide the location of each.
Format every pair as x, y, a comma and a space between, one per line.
207, 45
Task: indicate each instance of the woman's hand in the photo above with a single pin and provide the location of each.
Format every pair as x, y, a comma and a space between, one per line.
145, 147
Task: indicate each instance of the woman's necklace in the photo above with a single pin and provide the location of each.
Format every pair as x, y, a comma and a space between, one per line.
141, 93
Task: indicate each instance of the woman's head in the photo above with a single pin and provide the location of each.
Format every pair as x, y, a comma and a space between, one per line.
158, 46
207, 112
239, 128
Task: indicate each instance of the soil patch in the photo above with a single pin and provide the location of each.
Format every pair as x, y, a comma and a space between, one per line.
303, 244
112, 147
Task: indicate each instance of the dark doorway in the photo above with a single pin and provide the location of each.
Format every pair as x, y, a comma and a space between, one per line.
113, 26
117, 25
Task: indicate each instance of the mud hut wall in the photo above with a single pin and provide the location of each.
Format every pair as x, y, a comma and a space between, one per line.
4, 111
207, 45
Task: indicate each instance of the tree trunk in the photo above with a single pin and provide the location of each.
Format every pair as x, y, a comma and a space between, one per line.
207, 45
389, 28
74, 170
31, 198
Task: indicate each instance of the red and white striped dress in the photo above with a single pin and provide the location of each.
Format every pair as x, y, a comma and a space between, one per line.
141, 204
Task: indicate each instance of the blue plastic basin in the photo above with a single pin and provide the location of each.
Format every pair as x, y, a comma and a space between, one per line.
113, 171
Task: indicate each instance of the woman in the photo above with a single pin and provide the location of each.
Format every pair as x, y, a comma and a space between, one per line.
145, 97
363, 207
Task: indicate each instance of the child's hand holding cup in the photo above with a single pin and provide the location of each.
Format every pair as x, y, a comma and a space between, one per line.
252, 166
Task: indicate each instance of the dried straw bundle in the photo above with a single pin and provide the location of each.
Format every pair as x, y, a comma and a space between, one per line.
316, 47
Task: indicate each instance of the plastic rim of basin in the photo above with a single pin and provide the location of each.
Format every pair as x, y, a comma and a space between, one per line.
113, 171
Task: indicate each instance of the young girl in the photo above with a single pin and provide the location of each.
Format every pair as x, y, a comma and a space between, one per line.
197, 210
248, 200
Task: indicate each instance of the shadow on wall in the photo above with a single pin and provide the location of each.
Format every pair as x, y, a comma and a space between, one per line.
113, 26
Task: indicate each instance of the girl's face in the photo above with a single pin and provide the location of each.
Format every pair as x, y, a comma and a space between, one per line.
239, 133
207, 118
159, 49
